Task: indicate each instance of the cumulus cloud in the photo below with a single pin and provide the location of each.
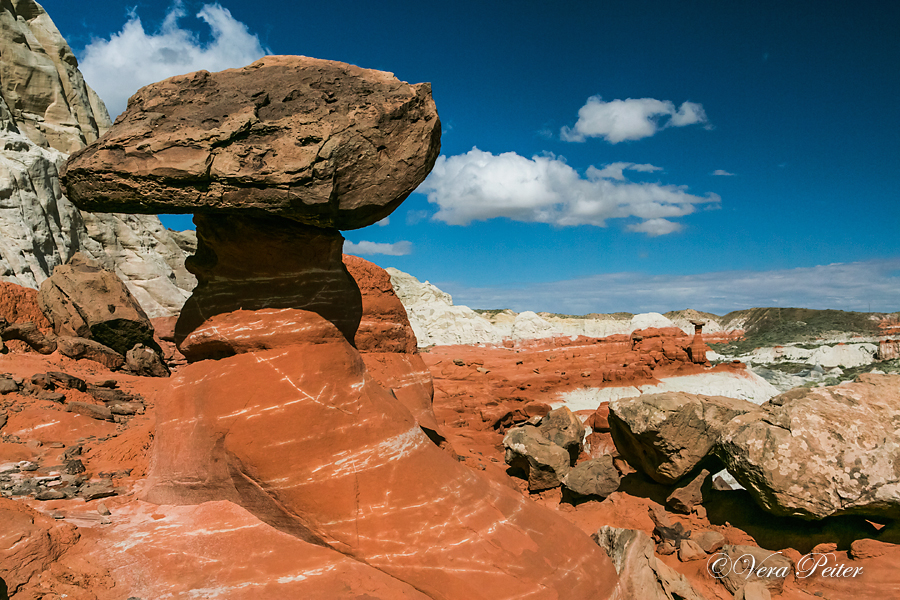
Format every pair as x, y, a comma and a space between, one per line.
396, 249
722, 173
615, 170
656, 227
117, 67
860, 286
632, 119
478, 185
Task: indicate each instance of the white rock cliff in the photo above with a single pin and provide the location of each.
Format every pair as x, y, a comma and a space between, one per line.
46, 112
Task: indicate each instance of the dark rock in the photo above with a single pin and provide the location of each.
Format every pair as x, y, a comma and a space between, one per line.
545, 463
146, 362
42, 381
82, 299
8, 386
665, 529
51, 494
594, 477
74, 467
31, 335
97, 489
684, 499
667, 435
79, 348
109, 395
67, 381
94, 411
57, 397
562, 427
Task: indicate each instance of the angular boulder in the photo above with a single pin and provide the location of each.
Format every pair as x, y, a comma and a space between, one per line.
82, 299
562, 427
667, 435
545, 463
321, 142
594, 477
813, 453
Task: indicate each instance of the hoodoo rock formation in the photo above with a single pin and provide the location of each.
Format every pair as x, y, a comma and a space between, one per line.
277, 411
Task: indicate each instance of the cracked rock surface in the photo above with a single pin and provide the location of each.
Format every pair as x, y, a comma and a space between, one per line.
321, 142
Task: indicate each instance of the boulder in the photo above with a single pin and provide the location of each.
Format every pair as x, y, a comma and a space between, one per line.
82, 299
737, 566
593, 477
755, 590
94, 411
814, 453
667, 435
145, 361
562, 427
710, 541
545, 463
78, 348
321, 142
685, 498
31, 335
642, 575
689, 550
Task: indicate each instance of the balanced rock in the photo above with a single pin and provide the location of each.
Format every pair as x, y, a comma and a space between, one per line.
322, 142
82, 299
814, 453
667, 435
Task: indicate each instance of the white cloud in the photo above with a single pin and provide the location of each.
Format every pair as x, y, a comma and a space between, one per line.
384, 222
723, 173
615, 170
364, 248
632, 119
688, 113
860, 286
117, 67
656, 227
478, 185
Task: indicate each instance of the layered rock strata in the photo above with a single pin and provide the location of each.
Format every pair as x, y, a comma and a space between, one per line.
278, 412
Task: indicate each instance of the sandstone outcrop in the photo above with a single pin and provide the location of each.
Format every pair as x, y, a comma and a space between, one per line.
813, 453
322, 142
46, 112
82, 299
277, 411
667, 435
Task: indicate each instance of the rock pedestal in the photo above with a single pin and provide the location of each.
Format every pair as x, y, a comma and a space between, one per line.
277, 411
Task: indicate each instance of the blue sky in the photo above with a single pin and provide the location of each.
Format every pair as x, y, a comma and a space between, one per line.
601, 156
